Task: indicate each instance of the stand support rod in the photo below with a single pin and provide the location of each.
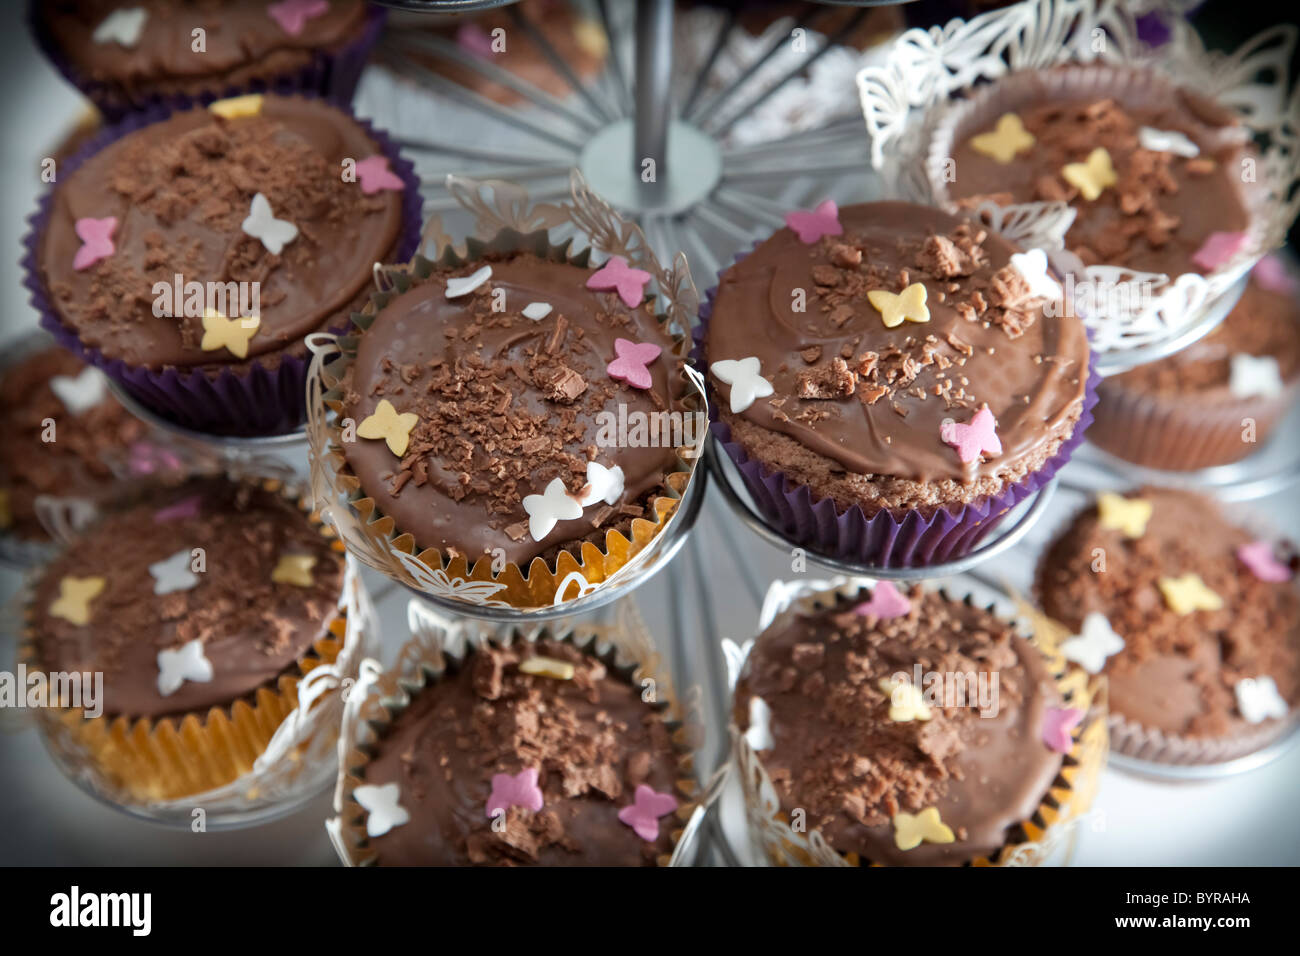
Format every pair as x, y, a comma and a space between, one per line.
654, 70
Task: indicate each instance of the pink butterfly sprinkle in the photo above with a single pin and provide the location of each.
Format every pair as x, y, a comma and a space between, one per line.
643, 815
617, 275
630, 366
292, 15
147, 458
886, 602
1272, 274
1258, 556
1218, 248
1057, 724
521, 790
973, 439
811, 226
472, 38
97, 242
185, 508
373, 174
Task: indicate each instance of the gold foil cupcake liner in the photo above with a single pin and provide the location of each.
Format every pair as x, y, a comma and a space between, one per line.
236, 761
510, 223
626, 647
933, 94
1046, 838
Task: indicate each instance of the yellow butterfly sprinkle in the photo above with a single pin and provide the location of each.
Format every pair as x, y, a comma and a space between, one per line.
1129, 515
1009, 137
547, 667
894, 308
75, 595
1188, 593
238, 107
911, 831
231, 334
294, 569
906, 702
1091, 176
387, 424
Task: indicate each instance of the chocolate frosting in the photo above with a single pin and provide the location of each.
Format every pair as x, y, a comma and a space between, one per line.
872, 399
506, 404
76, 464
1263, 322
1163, 206
592, 739
1177, 672
180, 190
838, 756
242, 42
253, 629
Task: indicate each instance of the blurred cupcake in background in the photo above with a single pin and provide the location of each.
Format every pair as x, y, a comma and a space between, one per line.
189, 253
495, 38
61, 432
908, 728
1194, 621
563, 750
203, 607
127, 54
1219, 399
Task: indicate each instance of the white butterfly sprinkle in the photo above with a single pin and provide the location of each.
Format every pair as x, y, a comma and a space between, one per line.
464, 285
173, 574
1032, 266
178, 666
547, 509
80, 393
261, 224
121, 26
1258, 699
383, 810
537, 310
759, 734
1095, 642
603, 484
1167, 141
1254, 375
746, 384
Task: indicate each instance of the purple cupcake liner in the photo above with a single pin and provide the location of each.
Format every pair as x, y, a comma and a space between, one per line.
331, 75
885, 539
257, 400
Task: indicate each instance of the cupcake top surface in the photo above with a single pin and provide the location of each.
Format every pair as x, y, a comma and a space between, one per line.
838, 749
497, 766
71, 459
163, 225
1265, 322
504, 405
149, 45
1185, 650
1162, 204
874, 399
263, 587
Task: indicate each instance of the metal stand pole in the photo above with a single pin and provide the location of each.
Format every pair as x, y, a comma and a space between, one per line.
654, 68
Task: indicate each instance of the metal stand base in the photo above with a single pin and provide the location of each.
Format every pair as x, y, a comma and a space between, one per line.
694, 158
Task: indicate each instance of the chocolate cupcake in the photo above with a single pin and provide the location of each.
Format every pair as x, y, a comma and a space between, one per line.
538, 752
516, 415
1219, 399
1194, 621
62, 434
892, 379
126, 55
190, 254
1152, 170
904, 729
203, 607
494, 37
